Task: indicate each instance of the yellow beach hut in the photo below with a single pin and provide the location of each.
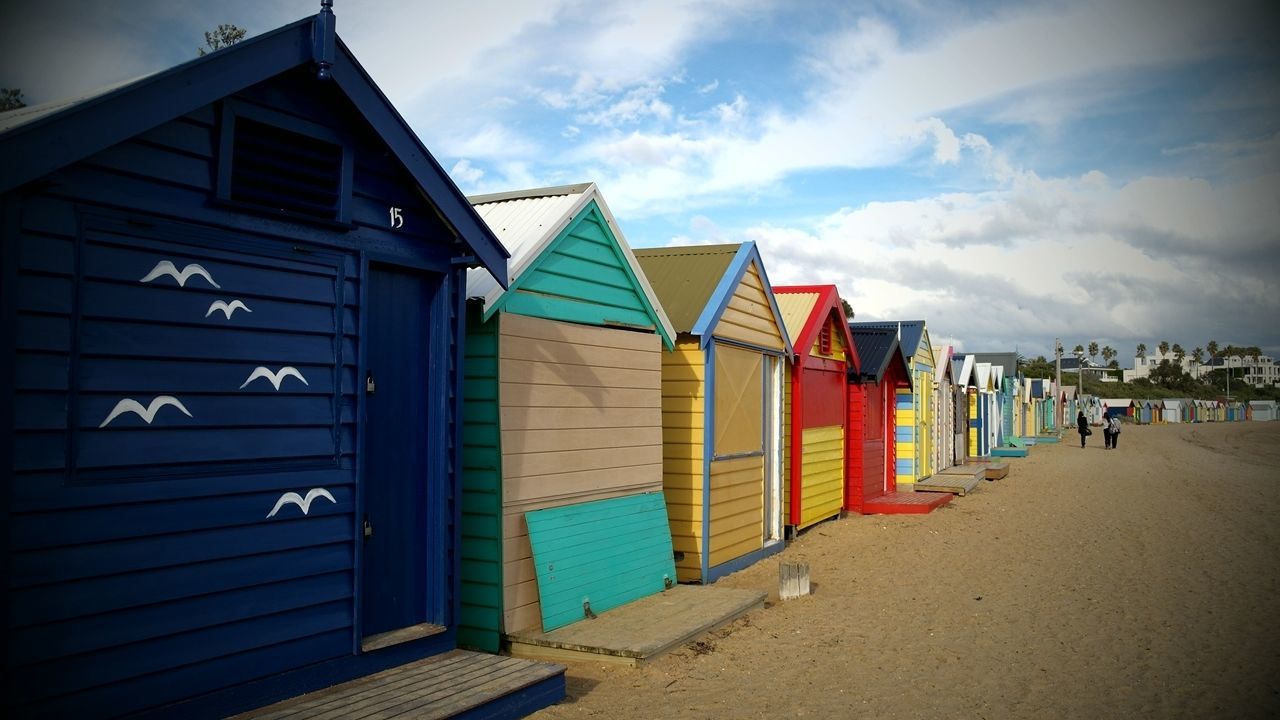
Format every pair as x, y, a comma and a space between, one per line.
722, 419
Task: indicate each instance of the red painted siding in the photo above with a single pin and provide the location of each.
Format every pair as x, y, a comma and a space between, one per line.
853, 443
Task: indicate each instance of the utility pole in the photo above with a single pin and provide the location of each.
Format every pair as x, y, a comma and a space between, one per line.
1079, 378
1057, 384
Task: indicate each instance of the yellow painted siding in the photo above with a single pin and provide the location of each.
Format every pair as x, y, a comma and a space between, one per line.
591, 430
838, 349
924, 420
822, 481
683, 395
749, 316
737, 508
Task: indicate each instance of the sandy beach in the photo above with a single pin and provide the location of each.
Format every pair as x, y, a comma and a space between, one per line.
1140, 582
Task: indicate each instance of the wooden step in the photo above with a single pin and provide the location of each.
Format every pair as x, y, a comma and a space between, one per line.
950, 483
1015, 452
997, 470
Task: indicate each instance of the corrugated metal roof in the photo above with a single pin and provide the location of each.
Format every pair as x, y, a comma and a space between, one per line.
795, 309
877, 348
524, 222
686, 277
911, 331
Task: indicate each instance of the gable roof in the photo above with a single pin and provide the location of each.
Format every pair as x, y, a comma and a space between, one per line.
805, 309
879, 349
686, 277
942, 364
912, 331
39, 140
527, 222
696, 282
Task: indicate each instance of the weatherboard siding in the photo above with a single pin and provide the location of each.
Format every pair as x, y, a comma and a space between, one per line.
144, 569
683, 417
581, 420
905, 437
582, 278
480, 620
748, 317
822, 482
737, 508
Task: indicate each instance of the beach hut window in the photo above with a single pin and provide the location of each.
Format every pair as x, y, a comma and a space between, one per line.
739, 402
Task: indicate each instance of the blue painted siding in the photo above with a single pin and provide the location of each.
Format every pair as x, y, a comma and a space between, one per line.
143, 568
606, 552
905, 467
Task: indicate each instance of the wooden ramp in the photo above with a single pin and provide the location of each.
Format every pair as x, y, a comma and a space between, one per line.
641, 630
455, 684
997, 470
1047, 439
1016, 452
1024, 441
905, 503
958, 480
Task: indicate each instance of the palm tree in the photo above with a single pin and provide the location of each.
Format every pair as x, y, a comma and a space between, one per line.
1108, 354
1093, 349
1078, 349
1212, 347
1164, 348
1142, 350
1196, 356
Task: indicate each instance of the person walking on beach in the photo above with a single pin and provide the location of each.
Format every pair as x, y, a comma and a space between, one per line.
1082, 425
1107, 441
1114, 427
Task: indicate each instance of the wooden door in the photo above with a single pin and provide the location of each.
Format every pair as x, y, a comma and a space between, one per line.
394, 572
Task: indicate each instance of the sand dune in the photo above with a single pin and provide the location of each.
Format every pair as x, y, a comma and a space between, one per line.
1140, 582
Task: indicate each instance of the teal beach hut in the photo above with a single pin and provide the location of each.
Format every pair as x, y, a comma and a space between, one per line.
563, 511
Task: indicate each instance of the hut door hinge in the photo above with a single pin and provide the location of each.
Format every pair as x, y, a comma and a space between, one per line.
586, 610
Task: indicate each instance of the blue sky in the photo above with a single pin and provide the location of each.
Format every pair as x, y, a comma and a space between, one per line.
1011, 172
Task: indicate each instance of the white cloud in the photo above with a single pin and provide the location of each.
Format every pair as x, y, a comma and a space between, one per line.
635, 105
1119, 262
464, 173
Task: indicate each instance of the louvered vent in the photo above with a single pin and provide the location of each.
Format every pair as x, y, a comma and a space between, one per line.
285, 171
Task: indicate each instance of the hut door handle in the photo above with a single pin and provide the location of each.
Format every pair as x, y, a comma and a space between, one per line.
368, 528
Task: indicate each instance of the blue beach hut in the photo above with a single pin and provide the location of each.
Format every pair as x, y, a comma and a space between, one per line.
233, 312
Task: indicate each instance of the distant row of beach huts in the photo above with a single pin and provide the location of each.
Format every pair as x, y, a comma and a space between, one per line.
1181, 410
289, 409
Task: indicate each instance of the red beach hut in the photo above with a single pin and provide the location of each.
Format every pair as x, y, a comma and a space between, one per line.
870, 475
816, 401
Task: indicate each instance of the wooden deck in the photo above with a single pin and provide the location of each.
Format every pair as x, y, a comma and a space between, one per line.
905, 503
1015, 452
1047, 439
639, 631
455, 684
997, 470
958, 480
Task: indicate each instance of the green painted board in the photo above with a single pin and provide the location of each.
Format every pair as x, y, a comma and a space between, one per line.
605, 552
480, 614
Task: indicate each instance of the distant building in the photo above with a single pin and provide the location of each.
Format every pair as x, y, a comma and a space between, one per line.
1258, 371
1142, 366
